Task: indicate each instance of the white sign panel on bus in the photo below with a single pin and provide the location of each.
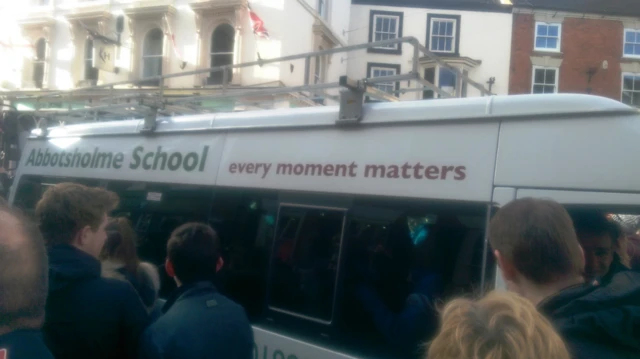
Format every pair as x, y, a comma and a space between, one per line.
191, 159
411, 161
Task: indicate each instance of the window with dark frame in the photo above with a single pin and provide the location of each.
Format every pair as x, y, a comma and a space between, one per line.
382, 70
385, 25
443, 33
631, 89
631, 43
90, 72
39, 63
222, 46
152, 55
545, 80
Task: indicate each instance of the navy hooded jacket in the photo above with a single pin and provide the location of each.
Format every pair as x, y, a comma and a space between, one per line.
599, 321
88, 316
200, 323
24, 344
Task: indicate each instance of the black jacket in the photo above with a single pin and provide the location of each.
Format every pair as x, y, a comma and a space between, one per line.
199, 322
88, 316
599, 321
24, 344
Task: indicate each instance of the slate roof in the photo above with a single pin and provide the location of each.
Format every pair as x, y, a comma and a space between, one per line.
603, 7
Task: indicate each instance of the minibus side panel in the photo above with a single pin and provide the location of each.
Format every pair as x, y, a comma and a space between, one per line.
585, 153
439, 161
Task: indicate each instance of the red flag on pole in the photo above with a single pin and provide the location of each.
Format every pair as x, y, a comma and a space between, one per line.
258, 25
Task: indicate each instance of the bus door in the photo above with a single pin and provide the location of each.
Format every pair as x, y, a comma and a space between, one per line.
614, 204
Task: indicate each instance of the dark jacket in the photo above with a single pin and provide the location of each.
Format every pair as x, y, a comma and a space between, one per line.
88, 316
200, 323
599, 321
146, 281
24, 344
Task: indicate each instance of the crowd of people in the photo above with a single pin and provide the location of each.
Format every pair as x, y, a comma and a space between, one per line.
72, 286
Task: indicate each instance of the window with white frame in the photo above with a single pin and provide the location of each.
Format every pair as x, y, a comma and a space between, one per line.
90, 72
443, 35
631, 89
222, 46
444, 79
385, 25
152, 49
547, 36
382, 70
631, 43
323, 9
39, 63
545, 80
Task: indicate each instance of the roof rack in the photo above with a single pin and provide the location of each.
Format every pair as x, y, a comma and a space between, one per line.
150, 103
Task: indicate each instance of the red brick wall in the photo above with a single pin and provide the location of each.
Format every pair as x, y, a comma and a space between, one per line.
585, 43
521, 50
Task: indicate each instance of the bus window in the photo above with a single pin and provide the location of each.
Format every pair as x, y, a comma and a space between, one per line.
245, 222
305, 261
155, 210
31, 188
396, 250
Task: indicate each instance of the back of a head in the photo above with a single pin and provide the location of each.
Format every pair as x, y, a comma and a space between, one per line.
121, 244
66, 208
501, 325
23, 273
194, 251
537, 237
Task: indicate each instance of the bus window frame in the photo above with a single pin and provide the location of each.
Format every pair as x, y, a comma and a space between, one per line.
336, 282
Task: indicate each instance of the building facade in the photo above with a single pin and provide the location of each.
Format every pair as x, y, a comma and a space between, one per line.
473, 36
69, 44
563, 46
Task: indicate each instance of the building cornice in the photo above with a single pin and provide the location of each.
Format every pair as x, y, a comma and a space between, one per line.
149, 11
478, 6
211, 6
542, 14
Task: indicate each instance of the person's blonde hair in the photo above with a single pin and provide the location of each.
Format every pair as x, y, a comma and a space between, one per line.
502, 325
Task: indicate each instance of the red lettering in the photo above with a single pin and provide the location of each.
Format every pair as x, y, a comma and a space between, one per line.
352, 169
250, 167
298, 169
233, 167
393, 172
328, 170
341, 169
241, 167
405, 170
416, 171
432, 172
445, 170
461, 173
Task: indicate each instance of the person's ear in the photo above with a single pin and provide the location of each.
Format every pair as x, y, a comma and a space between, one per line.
168, 267
509, 272
82, 236
219, 264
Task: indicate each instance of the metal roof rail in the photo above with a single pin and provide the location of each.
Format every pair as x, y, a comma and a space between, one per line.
149, 103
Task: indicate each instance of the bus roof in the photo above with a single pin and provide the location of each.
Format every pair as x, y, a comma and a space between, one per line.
459, 109
458, 149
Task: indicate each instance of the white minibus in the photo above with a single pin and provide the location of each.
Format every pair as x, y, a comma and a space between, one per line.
305, 205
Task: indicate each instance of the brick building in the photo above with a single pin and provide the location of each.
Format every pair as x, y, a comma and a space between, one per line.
576, 46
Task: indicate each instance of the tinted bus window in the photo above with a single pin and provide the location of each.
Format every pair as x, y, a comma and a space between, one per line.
31, 188
305, 262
